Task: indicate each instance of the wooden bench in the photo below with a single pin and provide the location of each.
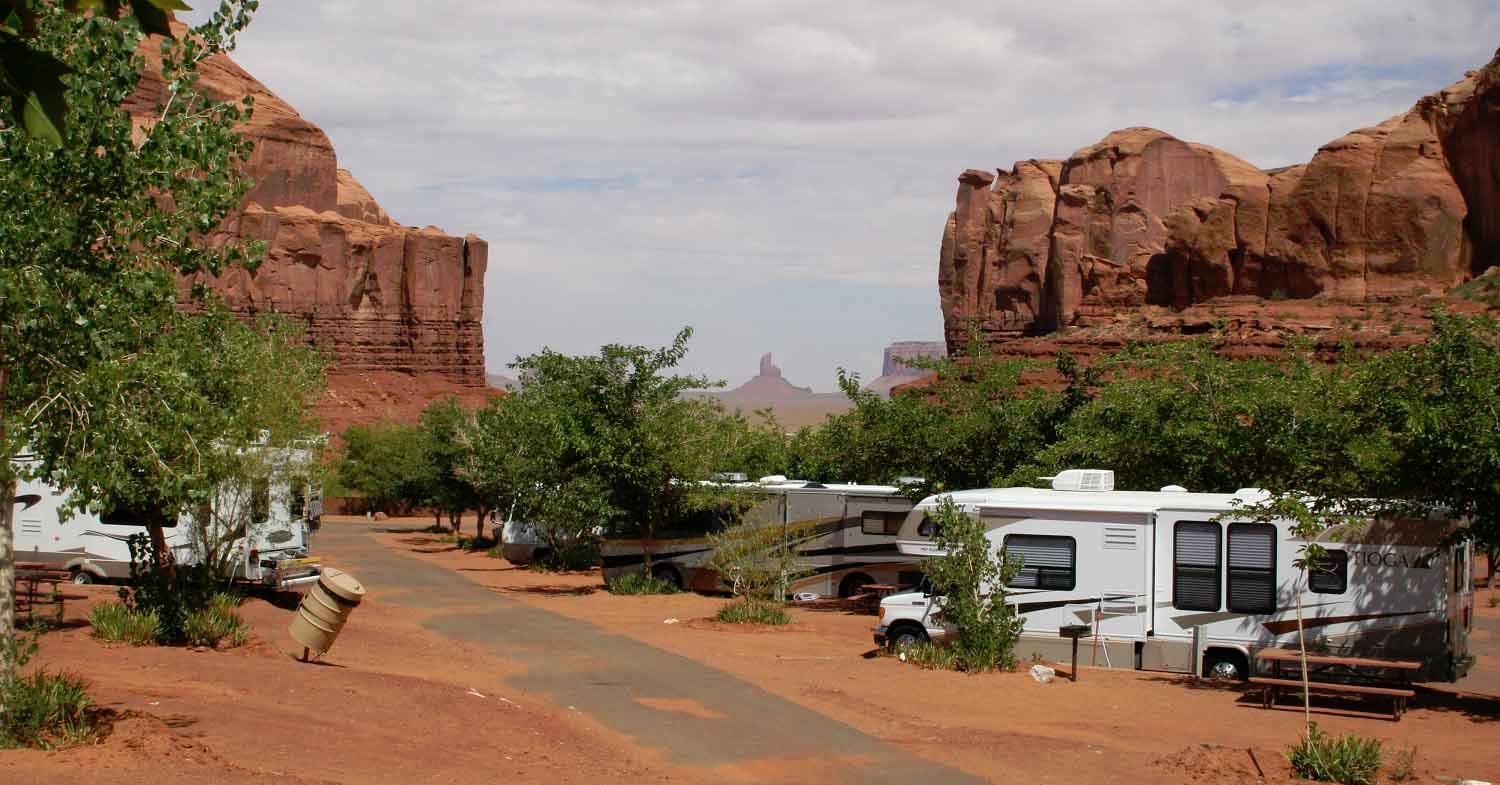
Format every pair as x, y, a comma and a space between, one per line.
1320, 666
1274, 687
31, 577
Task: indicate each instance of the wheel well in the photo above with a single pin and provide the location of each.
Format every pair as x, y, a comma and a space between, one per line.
1226, 653
907, 624
851, 581
667, 572
84, 565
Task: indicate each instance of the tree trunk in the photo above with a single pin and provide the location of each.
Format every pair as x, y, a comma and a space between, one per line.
160, 552
479, 525
7, 587
1302, 646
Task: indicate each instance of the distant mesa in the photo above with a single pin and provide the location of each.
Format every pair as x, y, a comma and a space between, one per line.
500, 381
767, 386
895, 371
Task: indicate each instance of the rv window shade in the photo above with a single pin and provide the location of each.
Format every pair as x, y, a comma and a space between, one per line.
1047, 562
1252, 568
1330, 575
881, 522
1195, 563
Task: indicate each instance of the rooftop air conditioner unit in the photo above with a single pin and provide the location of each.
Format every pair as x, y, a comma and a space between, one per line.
1083, 480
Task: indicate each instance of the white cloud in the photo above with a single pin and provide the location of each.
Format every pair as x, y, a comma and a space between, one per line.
637, 166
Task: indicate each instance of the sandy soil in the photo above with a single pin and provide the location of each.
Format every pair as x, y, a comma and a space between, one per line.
1110, 726
393, 704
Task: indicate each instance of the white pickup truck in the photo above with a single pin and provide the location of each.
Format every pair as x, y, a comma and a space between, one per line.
908, 618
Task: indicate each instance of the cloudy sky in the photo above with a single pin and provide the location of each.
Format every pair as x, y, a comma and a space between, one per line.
777, 174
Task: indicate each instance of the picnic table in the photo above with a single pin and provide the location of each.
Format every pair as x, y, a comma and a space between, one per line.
1337, 673
30, 596
873, 593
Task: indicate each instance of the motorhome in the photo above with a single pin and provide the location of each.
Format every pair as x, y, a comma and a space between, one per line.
844, 535
1164, 583
269, 547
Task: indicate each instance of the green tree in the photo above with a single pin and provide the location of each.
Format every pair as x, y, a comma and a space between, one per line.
613, 442
390, 464
444, 423
970, 577
96, 230
32, 76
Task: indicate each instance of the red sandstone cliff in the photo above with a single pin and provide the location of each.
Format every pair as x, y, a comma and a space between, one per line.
1148, 230
379, 296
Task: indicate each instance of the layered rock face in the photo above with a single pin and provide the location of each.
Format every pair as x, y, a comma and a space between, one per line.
1145, 219
377, 295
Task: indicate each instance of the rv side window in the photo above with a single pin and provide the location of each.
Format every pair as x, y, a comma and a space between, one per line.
1252, 568
1330, 575
137, 517
1047, 562
881, 522
260, 500
1195, 566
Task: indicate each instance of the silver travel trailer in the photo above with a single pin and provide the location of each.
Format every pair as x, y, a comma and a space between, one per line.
1164, 586
845, 534
272, 550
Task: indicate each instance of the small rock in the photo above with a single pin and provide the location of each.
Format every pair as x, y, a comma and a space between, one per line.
1043, 674
672, 620
380, 516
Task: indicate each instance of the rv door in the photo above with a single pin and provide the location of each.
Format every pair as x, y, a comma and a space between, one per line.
1460, 606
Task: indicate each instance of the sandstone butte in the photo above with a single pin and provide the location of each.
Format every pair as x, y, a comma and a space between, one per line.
397, 308
1143, 236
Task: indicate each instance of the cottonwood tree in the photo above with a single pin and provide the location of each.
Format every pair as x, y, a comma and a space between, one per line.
623, 449
94, 231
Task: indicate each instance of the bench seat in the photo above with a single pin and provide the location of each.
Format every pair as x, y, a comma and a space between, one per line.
1274, 686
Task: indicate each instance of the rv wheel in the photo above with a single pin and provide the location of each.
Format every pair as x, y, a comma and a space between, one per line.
904, 636
669, 575
83, 577
1226, 665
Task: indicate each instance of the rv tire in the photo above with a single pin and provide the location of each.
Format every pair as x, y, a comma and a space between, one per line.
1225, 664
669, 575
900, 636
83, 577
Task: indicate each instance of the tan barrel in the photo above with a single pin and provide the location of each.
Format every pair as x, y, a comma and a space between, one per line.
325, 609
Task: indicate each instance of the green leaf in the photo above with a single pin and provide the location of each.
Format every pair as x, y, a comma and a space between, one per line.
44, 116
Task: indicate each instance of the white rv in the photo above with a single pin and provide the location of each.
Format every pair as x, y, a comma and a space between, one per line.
1164, 586
273, 551
845, 538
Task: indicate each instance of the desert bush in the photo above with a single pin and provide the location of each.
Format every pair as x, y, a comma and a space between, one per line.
1495, 600
47, 710
932, 656
1403, 763
970, 577
753, 612
636, 583
217, 623
1347, 760
568, 557
112, 621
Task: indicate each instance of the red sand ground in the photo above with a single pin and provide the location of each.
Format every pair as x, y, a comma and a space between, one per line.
394, 704
1109, 727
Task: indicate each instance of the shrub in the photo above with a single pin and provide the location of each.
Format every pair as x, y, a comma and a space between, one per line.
1495, 600
931, 656
45, 710
1347, 760
112, 621
637, 583
1403, 762
971, 580
567, 558
217, 623
751, 612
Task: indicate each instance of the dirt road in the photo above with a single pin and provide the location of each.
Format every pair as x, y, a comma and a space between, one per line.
698, 718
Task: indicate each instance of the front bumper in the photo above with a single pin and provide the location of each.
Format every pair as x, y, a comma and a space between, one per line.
296, 572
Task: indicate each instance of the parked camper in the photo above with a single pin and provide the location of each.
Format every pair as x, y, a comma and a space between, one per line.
90, 547
845, 537
1166, 587
260, 532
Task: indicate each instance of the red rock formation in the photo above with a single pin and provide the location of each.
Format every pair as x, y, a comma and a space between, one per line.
1143, 219
379, 296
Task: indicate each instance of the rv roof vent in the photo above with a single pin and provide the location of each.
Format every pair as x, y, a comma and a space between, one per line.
1083, 480
731, 477
1173, 489
773, 479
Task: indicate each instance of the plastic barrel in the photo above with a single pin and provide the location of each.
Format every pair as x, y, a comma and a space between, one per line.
325, 609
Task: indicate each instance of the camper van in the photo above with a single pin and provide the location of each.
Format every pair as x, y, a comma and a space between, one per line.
279, 513
1164, 586
845, 538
